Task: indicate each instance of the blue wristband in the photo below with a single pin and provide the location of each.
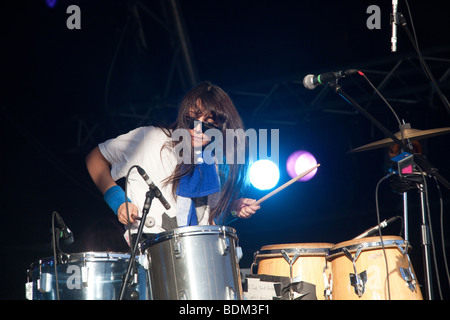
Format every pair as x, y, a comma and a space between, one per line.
115, 197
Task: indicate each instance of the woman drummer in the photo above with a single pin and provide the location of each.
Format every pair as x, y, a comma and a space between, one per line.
202, 189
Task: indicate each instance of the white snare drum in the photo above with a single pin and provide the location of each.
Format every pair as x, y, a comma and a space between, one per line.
84, 276
194, 263
359, 270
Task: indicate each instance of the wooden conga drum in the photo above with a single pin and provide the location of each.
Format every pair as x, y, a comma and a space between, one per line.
300, 261
359, 270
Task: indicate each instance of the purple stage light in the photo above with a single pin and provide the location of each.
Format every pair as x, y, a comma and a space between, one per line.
300, 161
51, 3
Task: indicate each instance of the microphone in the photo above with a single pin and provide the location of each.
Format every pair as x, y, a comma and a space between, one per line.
311, 81
373, 230
152, 186
394, 22
66, 234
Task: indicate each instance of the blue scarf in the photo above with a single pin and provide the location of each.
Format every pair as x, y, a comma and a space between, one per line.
201, 182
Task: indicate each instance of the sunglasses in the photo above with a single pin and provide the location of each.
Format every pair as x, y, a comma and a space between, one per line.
192, 122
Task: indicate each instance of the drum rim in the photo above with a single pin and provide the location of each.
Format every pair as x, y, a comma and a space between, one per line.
90, 256
188, 231
367, 246
293, 251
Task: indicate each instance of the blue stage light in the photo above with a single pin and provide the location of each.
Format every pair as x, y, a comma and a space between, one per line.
264, 174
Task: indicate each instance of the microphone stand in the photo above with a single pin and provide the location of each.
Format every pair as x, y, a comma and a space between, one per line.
149, 196
428, 168
402, 144
338, 90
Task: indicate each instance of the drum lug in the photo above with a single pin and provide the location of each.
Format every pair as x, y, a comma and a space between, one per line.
85, 275
357, 280
224, 246
239, 254
255, 262
135, 277
183, 295
291, 264
144, 261
29, 290
407, 274
328, 283
230, 294
44, 283
291, 261
177, 249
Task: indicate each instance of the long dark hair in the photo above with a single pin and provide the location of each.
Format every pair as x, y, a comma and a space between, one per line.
218, 105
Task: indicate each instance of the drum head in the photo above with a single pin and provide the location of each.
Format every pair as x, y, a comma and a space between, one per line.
81, 256
188, 231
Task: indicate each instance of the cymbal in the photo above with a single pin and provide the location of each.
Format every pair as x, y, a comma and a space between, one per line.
412, 134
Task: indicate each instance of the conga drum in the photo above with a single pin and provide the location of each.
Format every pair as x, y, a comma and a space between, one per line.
300, 261
360, 268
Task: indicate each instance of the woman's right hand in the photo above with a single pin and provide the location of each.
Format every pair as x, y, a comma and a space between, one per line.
122, 213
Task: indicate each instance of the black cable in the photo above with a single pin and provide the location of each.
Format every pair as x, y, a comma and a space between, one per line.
425, 191
442, 229
55, 254
400, 234
379, 232
415, 43
385, 101
381, 96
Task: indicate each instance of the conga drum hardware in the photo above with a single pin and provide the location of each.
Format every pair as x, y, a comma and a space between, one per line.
291, 261
371, 269
328, 281
407, 273
357, 280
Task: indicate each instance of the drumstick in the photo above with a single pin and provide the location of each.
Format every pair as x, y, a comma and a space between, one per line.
287, 184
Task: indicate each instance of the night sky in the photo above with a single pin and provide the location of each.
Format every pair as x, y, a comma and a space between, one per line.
64, 91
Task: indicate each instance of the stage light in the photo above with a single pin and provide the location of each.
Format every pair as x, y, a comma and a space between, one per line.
264, 174
51, 3
299, 162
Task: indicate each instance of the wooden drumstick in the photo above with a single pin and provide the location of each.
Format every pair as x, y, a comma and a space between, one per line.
287, 184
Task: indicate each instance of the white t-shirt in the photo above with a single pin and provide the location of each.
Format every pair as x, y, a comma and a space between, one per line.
144, 147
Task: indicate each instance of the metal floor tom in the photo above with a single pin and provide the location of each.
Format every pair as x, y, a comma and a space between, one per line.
84, 276
194, 263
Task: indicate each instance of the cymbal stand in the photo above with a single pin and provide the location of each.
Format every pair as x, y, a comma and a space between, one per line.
405, 146
405, 215
423, 164
426, 245
402, 127
343, 94
412, 181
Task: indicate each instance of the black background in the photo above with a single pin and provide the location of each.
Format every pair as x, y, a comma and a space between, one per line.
64, 91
